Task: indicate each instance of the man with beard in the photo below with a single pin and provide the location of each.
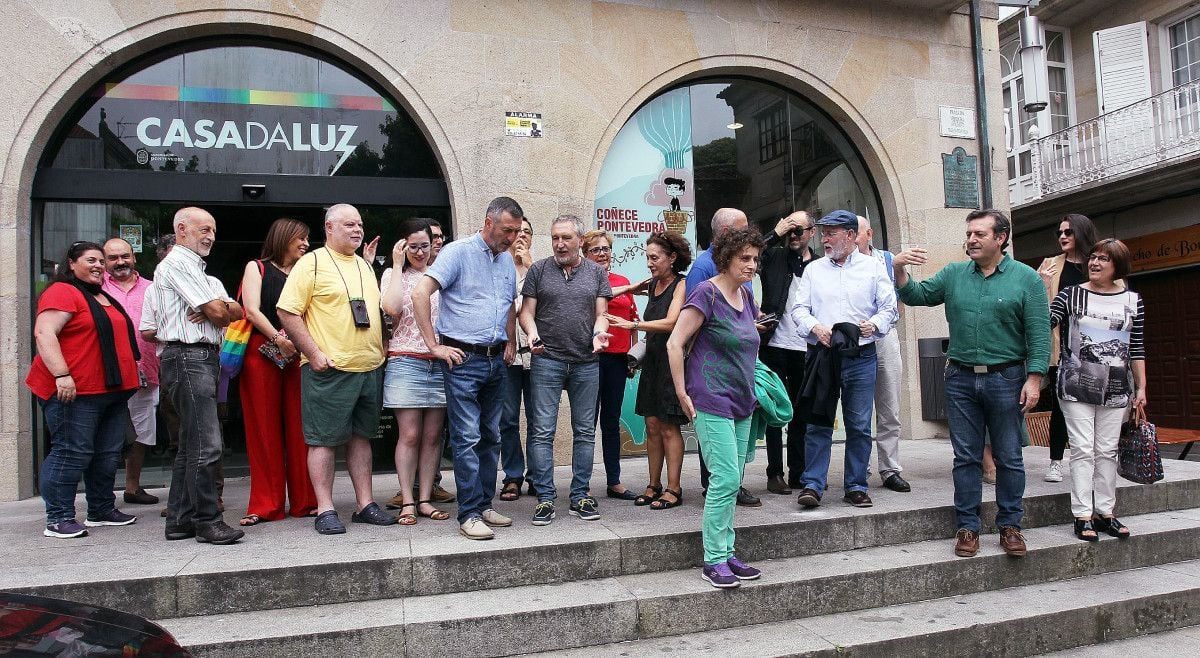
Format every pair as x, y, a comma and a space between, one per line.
565, 299
191, 316
330, 309
125, 285
844, 303
477, 330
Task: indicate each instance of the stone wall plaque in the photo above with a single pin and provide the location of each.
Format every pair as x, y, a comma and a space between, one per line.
960, 173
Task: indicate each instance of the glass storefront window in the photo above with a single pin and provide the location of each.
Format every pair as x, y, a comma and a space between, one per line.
243, 108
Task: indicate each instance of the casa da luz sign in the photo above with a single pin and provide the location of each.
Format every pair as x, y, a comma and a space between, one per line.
1159, 251
250, 136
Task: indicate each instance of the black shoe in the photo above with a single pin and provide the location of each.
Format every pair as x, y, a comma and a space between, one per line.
140, 497
808, 498
776, 485
624, 495
1111, 526
175, 533
858, 499
373, 515
896, 483
795, 482
747, 499
1082, 526
218, 533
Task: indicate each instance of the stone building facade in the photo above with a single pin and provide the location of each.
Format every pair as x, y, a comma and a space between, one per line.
871, 74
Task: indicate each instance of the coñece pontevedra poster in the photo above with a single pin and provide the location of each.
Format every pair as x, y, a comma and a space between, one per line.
646, 185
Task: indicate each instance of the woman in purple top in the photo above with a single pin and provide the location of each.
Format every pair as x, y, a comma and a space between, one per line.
716, 389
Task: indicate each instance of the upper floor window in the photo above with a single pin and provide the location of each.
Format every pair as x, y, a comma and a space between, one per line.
1185, 50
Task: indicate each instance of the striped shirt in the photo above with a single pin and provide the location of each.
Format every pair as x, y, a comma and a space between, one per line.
1100, 334
180, 286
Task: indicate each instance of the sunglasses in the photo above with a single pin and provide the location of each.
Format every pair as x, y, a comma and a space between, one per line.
1066, 232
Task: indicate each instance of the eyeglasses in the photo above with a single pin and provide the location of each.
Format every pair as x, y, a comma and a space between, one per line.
1066, 232
1103, 258
596, 251
527, 231
418, 248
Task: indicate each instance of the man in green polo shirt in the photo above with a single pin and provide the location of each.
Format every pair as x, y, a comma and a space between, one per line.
999, 350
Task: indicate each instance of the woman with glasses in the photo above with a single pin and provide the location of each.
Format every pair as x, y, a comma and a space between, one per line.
668, 255
1076, 234
517, 383
84, 373
1101, 373
614, 368
412, 382
271, 403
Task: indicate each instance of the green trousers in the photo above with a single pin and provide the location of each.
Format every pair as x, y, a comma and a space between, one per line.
723, 442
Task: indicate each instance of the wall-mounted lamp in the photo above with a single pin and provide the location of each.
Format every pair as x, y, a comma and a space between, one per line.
1033, 65
254, 192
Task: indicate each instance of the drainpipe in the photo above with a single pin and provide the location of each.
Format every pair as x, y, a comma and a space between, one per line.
981, 113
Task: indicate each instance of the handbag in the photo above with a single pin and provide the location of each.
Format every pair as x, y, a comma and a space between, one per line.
275, 355
233, 347
1137, 451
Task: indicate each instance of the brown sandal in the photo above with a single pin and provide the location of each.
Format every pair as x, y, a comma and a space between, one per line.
407, 518
511, 491
436, 514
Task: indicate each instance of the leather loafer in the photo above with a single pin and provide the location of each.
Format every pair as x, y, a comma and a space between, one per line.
175, 533
1012, 541
140, 497
808, 498
747, 499
966, 543
776, 485
218, 533
858, 499
896, 483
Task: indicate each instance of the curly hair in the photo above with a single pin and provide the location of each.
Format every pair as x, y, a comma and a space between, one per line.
674, 244
731, 243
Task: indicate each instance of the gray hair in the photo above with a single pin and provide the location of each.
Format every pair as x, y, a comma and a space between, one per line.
574, 221
724, 218
336, 209
503, 204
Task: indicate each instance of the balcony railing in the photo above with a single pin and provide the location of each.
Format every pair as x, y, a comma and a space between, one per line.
1159, 129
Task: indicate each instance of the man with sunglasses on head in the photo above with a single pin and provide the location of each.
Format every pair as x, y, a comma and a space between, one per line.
788, 252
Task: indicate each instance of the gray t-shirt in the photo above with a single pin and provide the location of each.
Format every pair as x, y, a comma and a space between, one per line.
566, 307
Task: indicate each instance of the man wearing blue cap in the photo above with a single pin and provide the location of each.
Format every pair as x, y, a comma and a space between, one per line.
844, 303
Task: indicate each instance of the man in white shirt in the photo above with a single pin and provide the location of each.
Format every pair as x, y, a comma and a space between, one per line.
843, 304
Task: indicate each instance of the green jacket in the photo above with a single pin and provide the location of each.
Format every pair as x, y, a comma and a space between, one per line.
774, 406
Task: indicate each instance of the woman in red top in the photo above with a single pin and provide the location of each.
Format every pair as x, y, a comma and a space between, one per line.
597, 246
270, 393
83, 374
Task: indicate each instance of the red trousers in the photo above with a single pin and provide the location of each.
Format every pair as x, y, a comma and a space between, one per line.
274, 436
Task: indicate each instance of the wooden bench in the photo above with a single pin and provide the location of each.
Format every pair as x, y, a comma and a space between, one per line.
1169, 435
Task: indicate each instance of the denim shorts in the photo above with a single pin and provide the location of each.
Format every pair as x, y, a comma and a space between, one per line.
335, 405
413, 383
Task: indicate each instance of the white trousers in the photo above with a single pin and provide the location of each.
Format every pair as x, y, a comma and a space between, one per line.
141, 413
1093, 432
888, 373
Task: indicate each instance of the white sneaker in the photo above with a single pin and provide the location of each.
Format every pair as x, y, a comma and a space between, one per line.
1054, 473
475, 528
496, 519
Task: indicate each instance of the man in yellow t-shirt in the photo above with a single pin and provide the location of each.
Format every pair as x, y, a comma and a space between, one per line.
330, 309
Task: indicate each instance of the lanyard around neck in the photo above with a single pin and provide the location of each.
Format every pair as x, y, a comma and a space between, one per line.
343, 278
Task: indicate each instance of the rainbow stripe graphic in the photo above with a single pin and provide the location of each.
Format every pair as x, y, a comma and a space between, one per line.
132, 91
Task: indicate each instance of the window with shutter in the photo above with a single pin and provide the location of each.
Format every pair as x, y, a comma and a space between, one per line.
1122, 65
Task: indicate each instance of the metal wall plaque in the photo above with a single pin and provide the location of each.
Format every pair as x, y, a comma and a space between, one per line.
960, 173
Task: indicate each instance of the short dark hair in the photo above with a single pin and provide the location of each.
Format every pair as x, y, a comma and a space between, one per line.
280, 235
77, 249
165, 242
731, 243
503, 204
1000, 223
675, 245
1118, 253
675, 181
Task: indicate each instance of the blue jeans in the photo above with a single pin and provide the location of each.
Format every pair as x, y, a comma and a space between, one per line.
86, 437
613, 373
516, 390
858, 398
975, 403
189, 377
474, 390
582, 383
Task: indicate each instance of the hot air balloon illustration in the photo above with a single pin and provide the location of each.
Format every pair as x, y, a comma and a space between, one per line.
666, 124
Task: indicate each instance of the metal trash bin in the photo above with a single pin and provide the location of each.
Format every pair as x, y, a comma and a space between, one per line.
931, 353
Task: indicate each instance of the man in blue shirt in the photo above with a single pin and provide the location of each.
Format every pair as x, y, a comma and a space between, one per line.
476, 340
702, 270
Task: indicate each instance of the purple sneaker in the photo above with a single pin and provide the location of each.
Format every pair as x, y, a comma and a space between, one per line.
68, 529
718, 575
114, 517
742, 570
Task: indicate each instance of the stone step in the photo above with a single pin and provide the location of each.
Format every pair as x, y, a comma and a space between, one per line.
1179, 642
285, 564
1016, 621
587, 612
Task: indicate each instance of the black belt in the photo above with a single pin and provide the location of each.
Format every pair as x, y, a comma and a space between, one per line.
495, 349
179, 343
979, 370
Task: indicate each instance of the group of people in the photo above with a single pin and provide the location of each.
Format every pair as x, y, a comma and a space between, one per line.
478, 327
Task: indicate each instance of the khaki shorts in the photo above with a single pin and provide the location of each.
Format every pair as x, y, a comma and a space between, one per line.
337, 405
